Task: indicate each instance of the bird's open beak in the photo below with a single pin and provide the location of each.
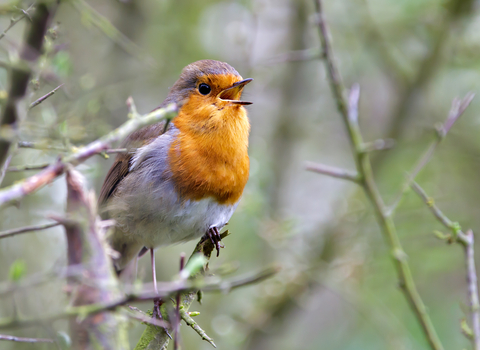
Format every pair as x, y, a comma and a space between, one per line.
232, 93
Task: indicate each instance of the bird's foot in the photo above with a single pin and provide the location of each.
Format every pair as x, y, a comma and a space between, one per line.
157, 314
157, 303
215, 238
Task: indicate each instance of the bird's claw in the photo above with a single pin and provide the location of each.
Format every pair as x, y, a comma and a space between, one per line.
215, 238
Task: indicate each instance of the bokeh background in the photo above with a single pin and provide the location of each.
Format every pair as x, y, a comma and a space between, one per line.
337, 288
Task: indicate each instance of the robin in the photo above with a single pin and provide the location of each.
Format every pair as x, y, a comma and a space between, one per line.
184, 180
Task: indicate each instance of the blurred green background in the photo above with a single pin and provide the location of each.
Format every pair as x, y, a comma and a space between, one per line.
337, 288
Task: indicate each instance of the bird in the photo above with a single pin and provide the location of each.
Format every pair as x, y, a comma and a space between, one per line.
181, 180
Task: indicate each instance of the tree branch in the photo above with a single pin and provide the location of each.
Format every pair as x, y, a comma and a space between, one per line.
349, 114
35, 182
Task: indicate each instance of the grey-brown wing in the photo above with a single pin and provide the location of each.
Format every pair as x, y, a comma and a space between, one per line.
117, 172
121, 167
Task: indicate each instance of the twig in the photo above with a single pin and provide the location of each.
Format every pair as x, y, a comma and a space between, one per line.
14, 21
190, 322
42, 146
332, 171
25, 340
16, 231
467, 241
33, 183
44, 97
457, 109
472, 281
453, 226
349, 114
4, 168
14, 169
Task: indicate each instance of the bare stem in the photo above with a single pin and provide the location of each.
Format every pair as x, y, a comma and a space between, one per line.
16, 231
349, 113
332, 171
25, 340
44, 97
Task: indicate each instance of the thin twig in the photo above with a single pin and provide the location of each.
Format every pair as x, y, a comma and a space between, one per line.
14, 21
44, 97
191, 323
472, 287
33, 183
25, 340
456, 111
349, 114
4, 168
467, 241
15, 169
453, 226
43, 147
16, 231
332, 171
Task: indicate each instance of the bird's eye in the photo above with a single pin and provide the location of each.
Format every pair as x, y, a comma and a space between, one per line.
204, 89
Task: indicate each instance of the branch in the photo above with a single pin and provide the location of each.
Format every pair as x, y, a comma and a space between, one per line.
457, 109
332, 171
349, 114
86, 247
20, 75
187, 289
14, 21
44, 97
25, 340
191, 323
467, 241
35, 182
16, 231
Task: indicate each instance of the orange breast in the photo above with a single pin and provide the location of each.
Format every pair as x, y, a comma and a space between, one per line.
209, 158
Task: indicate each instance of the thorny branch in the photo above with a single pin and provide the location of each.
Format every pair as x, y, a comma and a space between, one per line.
349, 114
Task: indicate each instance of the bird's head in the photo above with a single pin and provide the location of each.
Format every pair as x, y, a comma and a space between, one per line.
209, 90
